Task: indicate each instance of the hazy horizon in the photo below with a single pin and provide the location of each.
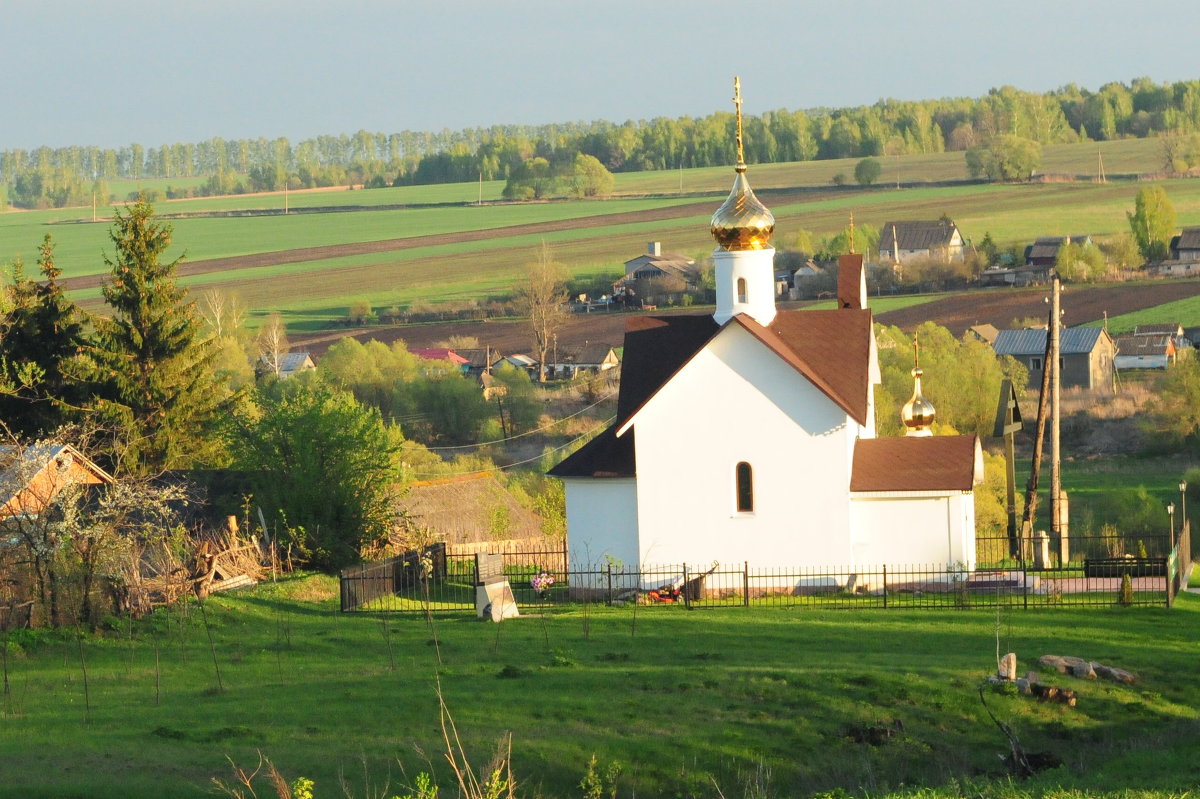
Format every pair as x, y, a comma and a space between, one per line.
155, 73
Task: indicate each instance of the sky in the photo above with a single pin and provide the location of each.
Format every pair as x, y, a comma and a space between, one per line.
114, 72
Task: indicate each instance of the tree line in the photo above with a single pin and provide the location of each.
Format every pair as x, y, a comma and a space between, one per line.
889, 127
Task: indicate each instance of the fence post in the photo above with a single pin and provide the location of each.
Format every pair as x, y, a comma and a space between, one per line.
885, 591
610, 593
746, 583
687, 599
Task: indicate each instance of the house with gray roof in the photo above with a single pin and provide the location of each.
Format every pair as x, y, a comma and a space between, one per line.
1142, 351
1087, 355
901, 242
1186, 246
1044, 250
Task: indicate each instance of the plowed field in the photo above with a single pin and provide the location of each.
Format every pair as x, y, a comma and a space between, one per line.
957, 312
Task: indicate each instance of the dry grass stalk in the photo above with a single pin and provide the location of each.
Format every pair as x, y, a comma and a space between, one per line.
498, 782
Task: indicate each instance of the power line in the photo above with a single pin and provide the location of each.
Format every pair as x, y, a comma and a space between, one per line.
606, 422
526, 433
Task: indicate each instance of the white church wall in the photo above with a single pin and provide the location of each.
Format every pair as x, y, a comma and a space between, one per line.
755, 268
601, 520
928, 529
737, 401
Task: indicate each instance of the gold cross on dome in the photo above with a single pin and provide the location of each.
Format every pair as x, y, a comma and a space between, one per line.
737, 103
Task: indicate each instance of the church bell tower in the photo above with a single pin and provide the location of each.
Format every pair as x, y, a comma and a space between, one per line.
744, 260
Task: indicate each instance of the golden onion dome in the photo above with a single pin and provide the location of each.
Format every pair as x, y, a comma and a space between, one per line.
742, 222
918, 413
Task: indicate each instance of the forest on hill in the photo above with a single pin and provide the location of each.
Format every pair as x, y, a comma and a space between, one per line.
56, 177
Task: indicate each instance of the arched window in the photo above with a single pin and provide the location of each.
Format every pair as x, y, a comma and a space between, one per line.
745, 488
741, 289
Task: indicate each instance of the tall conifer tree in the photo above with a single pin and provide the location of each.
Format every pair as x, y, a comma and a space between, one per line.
149, 365
42, 335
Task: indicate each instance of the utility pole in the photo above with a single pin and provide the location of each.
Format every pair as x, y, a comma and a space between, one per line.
1058, 504
1039, 439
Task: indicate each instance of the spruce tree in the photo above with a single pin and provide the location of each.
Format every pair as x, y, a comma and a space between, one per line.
43, 335
149, 366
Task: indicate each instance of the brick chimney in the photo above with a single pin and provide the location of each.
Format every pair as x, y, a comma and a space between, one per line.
654, 248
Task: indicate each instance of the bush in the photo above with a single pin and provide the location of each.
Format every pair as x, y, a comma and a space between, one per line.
867, 171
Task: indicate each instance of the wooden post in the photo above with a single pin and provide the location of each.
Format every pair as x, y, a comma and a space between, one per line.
1008, 422
1038, 443
1058, 521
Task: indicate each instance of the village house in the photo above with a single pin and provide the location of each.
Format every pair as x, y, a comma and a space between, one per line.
1153, 346
290, 364
1087, 355
30, 478
1044, 250
1186, 246
901, 242
656, 264
1144, 352
749, 435
588, 357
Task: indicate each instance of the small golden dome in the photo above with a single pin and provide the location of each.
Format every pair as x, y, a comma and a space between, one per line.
742, 222
918, 413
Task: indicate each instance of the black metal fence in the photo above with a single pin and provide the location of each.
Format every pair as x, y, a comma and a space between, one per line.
1099, 572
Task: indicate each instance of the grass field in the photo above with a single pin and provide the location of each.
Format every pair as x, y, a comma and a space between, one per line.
750, 703
315, 291
1186, 312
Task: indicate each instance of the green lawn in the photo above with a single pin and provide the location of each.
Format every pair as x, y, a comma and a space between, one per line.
687, 702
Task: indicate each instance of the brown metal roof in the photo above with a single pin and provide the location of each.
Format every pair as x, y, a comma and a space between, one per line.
656, 347
830, 348
936, 463
603, 456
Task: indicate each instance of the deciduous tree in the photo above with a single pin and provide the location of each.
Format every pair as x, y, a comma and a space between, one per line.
867, 171
1152, 222
1004, 157
323, 466
541, 296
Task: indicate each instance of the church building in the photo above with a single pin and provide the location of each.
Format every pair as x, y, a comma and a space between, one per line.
748, 435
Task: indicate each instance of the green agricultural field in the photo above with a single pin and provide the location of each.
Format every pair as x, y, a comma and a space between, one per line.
706, 703
479, 250
1186, 312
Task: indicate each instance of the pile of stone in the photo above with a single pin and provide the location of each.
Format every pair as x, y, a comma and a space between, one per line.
1082, 669
1085, 669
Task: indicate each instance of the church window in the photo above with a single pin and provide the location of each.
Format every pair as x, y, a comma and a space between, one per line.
741, 289
745, 488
